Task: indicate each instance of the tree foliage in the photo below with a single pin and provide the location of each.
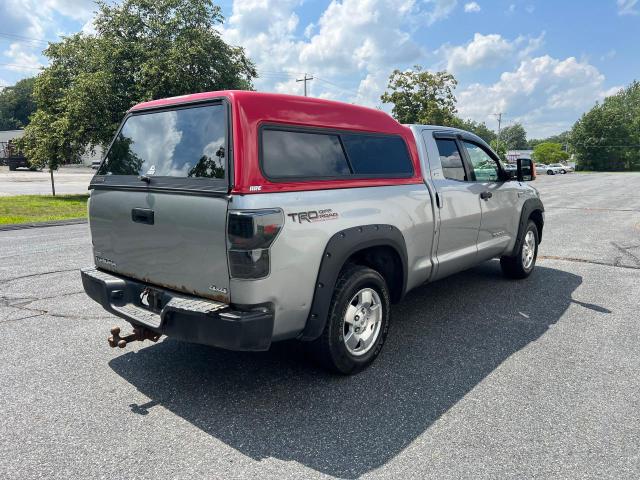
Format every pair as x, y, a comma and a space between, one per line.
499, 148
142, 50
562, 138
479, 128
420, 96
549, 153
514, 137
608, 136
17, 104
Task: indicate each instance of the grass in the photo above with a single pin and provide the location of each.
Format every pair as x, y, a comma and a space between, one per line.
41, 208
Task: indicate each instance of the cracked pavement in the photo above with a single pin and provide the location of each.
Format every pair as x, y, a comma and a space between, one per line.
481, 377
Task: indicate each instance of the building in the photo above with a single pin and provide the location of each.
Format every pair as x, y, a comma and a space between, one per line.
513, 155
5, 137
87, 159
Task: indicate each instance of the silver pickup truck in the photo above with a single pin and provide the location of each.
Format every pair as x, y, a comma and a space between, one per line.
236, 219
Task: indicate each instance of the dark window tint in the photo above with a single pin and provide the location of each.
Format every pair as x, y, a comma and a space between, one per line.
373, 155
188, 142
301, 154
451, 160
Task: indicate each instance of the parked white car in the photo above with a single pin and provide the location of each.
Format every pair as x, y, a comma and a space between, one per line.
563, 168
549, 169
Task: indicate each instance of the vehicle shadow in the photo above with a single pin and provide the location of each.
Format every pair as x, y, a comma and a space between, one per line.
445, 338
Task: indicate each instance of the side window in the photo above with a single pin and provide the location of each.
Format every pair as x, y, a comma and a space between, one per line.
377, 155
451, 160
302, 155
484, 167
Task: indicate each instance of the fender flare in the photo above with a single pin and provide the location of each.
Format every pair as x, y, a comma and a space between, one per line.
340, 247
528, 207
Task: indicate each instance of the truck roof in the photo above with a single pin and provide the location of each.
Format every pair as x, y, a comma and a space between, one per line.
293, 109
251, 110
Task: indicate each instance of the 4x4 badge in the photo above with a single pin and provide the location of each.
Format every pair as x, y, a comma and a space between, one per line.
218, 289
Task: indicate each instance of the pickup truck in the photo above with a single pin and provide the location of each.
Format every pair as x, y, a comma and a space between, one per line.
237, 219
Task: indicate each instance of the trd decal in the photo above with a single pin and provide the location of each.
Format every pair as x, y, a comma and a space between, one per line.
313, 215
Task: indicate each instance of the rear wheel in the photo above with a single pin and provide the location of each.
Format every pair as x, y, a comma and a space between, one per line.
358, 321
550, 172
521, 265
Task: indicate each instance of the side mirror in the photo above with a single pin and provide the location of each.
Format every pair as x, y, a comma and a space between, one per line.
526, 171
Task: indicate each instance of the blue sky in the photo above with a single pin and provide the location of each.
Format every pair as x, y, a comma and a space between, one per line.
542, 63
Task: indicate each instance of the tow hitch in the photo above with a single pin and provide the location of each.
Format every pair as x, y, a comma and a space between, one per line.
139, 334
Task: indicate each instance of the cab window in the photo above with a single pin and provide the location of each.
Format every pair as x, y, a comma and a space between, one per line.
451, 160
485, 168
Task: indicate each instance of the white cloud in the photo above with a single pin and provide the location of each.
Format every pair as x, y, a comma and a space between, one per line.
545, 94
609, 55
81, 10
441, 10
472, 7
486, 51
627, 7
21, 59
353, 39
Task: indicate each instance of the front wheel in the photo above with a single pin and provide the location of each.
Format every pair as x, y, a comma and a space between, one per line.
521, 265
357, 324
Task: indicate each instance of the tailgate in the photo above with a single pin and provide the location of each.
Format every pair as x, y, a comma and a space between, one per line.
170, 240
158, 207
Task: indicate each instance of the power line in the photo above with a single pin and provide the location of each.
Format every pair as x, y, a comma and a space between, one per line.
17, 65
337, 86
21, 38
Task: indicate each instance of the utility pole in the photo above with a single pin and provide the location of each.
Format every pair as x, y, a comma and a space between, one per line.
305, 80
499, 117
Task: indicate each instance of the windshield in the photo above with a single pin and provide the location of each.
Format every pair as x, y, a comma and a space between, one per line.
184, 143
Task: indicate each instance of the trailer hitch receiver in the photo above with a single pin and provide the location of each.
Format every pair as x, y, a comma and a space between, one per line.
139, 334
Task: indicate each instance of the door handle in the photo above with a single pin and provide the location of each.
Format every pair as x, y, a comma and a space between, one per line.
486, 195
438, 200
142, 215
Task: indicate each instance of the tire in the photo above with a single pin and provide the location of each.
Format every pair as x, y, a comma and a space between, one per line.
12, 167
550, 172
356, 284
563, 172
521, 265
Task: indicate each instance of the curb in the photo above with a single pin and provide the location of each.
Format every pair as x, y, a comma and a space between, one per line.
52, 223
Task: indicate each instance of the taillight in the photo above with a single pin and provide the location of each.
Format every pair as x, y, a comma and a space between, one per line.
250, 233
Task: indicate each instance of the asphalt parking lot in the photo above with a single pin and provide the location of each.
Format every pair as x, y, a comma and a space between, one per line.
481, 377
68, 179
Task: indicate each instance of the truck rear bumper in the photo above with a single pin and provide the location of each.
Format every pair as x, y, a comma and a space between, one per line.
184, 318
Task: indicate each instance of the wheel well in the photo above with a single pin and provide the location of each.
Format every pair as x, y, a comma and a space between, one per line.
386, 261
536, 216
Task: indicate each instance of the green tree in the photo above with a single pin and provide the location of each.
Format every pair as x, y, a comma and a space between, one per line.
608, 136
549, 153
422, 97
17, 104
479, 128
499, 148
142, 50
514, 137
562, 138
